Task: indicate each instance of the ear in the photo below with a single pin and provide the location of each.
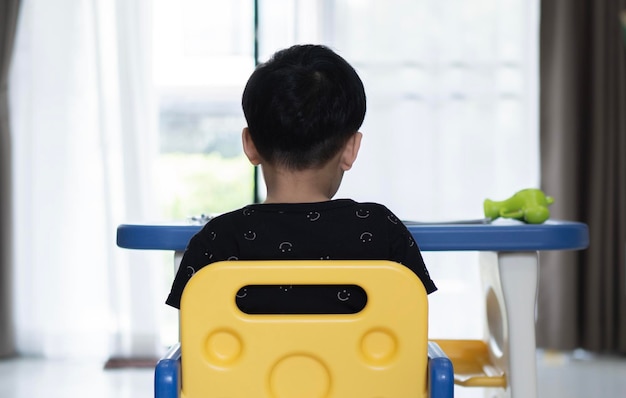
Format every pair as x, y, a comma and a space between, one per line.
351, 151
249, 148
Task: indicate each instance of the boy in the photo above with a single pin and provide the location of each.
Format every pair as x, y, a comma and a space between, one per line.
303, 108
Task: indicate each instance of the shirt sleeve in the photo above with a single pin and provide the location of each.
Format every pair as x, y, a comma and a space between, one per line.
196, 256
405, 251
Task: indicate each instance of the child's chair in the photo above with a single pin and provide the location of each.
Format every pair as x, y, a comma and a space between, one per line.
380, 349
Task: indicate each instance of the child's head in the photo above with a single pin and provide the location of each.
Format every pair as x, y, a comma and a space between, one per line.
302, 106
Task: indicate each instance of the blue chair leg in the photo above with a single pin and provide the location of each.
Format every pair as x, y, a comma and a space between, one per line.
440, 373
167, 374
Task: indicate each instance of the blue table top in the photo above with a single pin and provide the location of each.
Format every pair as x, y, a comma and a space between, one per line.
498, 236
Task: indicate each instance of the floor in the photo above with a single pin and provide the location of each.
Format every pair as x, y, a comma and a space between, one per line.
578, 375
559, 375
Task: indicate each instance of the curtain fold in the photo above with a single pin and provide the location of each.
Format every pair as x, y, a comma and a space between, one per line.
8, 22
582, 295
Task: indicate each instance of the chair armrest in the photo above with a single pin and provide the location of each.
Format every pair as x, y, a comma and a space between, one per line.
167, 374
440, 373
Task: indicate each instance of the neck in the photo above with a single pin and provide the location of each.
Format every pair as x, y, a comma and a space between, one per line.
301, 186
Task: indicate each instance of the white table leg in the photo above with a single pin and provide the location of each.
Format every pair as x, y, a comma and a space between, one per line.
509, 282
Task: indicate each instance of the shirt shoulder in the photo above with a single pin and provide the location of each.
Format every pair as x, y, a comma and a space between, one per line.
379, 212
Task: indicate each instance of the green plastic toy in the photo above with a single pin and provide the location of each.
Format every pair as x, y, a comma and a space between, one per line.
528, 205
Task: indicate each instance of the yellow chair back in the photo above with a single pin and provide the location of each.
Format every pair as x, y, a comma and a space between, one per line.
380, 351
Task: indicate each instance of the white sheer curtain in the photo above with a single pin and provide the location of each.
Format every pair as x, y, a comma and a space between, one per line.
452, 101
83, 126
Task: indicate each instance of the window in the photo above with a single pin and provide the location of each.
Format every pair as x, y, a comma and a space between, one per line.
203, 54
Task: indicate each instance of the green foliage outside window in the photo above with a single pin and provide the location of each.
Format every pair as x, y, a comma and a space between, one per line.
191, 184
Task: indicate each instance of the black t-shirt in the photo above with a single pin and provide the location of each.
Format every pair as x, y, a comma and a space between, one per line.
339, 229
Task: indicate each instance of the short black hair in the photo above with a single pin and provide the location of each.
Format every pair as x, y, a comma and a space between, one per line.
303, 105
